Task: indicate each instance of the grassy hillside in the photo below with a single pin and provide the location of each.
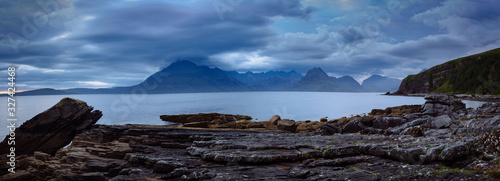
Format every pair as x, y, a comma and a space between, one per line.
475, 74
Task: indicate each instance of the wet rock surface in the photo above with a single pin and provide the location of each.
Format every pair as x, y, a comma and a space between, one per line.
135, 152
458, 145
53, 128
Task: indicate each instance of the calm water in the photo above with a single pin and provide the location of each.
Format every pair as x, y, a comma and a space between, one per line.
146, 109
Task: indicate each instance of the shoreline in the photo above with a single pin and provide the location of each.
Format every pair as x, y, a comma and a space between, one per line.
469, 97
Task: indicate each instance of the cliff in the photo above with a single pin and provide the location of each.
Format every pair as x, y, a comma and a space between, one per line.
475, 74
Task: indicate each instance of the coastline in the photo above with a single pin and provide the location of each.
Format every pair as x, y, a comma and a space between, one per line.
470, 97
439, 140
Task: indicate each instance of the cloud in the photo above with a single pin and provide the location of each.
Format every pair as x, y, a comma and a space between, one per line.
115, 39
118, 43
95, 84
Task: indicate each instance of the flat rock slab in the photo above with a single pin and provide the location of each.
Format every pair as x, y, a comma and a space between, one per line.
134, 152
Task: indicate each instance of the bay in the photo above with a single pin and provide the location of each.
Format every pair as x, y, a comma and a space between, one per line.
146, 109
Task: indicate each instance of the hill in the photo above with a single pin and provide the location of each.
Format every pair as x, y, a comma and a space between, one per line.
475, 74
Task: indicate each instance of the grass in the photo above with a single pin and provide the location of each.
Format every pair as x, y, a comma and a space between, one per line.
493, 173
456, 170
356, 143
474, 74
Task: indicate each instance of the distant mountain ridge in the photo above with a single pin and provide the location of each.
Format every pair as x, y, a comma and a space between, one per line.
381, 83
272, 80
318, 80
186, 77
474, 74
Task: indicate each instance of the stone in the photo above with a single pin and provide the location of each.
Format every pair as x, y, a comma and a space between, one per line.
274, 120
387, 122
440, 122
166, 166
256, 125
352, 127
440, 104
201, 124
93, 176
416, 131
304, 127
329, 129
287, 125
54, 128
323, 120
209, 120
396, 111
41, 156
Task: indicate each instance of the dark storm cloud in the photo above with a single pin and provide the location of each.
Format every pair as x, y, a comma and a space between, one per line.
91, 43
132, 39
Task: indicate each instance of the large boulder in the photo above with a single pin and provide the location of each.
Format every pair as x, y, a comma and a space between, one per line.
287, 125
206, 120
52, 129
439, 122
441, 104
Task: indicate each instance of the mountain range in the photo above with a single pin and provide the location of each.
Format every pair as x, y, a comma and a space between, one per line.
187, 77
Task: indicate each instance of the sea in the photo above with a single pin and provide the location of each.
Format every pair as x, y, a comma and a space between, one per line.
147, 108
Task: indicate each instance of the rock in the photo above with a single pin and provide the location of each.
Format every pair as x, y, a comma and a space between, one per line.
287, 125
166, 166
440, 122
416, 131
178, 172
329, 129
202, 117
256, 125
208, 120
201, 124
387, 122
456, 151
274, 120
41, 156
352, 127
396, 111
54, 128
300, 173
304, 127
93, 176
440, 104
323, 120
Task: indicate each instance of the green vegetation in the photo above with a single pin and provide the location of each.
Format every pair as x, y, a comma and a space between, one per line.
456, 170
496, 160
475, 74
493, 173
356, 143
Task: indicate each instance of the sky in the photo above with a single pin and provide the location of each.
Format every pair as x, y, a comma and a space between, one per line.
94, 43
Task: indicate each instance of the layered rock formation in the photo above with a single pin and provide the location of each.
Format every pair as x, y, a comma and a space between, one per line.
54, 128
216, 120
457, 145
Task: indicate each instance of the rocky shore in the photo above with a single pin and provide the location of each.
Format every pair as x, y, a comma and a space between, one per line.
440, 140
482, 98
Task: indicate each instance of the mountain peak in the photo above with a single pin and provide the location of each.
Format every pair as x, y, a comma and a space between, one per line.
181, 65
317, 74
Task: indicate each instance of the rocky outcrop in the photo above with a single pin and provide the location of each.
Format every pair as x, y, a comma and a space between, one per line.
440, 104
228, 121
440, 111
138, 152
475, 74
207, 120
449, 146
54, 128
396, 111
